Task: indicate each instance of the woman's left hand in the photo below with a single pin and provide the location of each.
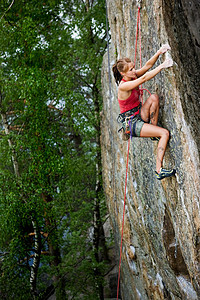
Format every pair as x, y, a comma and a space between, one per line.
167, 63
164, 48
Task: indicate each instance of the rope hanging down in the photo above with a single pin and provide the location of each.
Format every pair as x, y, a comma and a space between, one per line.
136, 41
141, 89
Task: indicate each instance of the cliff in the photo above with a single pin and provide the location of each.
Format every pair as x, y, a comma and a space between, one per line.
161, 244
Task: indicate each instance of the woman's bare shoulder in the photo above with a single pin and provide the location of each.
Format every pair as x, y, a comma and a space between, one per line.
122, 94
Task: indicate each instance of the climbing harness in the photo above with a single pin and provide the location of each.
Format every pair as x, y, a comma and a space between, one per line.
129, 113
126, 119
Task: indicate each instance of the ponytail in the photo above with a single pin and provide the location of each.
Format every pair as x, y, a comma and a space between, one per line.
120, 66
116, 73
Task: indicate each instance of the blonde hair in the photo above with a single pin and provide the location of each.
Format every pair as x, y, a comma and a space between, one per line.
120, 66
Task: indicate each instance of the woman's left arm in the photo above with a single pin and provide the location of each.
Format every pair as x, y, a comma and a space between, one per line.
149, 64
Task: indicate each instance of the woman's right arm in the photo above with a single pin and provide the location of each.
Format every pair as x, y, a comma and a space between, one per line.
130, 85
149, 64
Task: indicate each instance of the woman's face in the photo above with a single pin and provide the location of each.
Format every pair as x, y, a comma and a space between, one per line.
130, 73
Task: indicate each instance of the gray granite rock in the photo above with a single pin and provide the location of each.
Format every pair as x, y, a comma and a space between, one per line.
161, 244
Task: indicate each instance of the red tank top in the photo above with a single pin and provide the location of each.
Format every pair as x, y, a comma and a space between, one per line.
131, 102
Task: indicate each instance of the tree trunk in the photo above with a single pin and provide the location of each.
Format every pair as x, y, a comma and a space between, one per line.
14, 160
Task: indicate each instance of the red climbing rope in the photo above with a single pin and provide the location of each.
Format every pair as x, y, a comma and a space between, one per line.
141, 89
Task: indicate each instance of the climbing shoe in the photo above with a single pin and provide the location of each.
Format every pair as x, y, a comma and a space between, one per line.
153, 138
165, 173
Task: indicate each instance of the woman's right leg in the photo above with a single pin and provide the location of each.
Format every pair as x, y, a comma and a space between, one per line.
149, 130
150, 109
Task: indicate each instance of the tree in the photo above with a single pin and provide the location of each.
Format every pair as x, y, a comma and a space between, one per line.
50, 184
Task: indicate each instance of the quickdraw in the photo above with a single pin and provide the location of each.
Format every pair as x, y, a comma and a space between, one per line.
139, 3
127, 125
126, 129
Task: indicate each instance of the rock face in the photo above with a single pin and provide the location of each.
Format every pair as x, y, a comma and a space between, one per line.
161, 242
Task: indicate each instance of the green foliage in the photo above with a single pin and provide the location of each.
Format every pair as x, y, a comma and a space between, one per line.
50, 93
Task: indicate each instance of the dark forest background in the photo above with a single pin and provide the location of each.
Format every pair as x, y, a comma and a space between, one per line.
52, 207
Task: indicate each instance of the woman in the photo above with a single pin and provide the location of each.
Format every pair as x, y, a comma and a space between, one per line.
128, 80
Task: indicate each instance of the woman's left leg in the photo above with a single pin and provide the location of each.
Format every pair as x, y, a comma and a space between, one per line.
149, 130
150, 110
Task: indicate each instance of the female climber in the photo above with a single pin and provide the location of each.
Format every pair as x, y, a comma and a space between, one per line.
143, 119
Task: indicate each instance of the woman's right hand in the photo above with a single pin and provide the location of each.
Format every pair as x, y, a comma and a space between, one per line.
167, 63
164, 48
